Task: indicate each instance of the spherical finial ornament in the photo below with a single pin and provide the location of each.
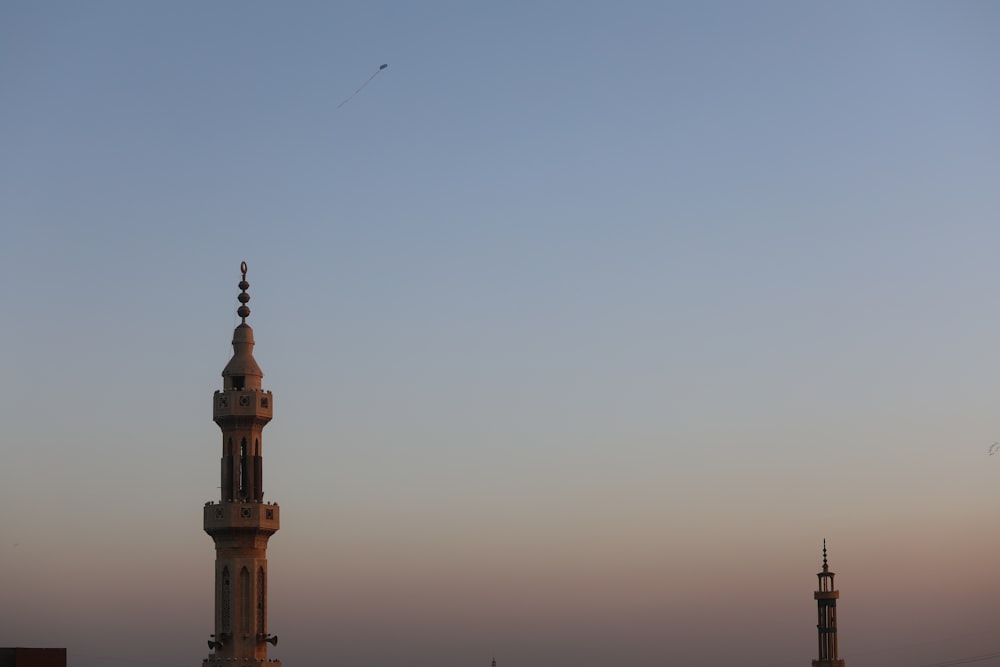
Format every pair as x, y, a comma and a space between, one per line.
243, 311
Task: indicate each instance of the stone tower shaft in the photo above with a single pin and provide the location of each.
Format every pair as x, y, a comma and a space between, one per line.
241, 522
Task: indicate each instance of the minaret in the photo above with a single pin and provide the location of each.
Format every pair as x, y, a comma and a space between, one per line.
826, 604
241, 522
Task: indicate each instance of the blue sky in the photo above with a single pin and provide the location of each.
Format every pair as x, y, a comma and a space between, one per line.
579, 317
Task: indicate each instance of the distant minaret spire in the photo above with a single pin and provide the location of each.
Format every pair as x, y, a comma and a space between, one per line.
826, 606
243, 311
240, 522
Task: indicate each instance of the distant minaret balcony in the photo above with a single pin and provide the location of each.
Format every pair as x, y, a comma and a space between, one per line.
257, 517
243, 403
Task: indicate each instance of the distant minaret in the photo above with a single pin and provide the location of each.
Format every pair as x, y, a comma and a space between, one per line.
241, 523
826, 603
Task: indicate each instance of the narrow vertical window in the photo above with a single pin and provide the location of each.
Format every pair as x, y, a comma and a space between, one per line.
227, 602
243, 469
247, 599
261, 626
228, 488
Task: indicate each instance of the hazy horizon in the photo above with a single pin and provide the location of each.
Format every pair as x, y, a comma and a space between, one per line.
586, 323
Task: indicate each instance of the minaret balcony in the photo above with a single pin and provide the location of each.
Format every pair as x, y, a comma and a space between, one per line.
243, 403
260, 517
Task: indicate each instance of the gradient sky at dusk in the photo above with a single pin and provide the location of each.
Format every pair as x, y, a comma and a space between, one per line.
585, 322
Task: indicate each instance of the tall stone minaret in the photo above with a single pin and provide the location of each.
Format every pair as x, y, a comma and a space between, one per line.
241, 522
826, 603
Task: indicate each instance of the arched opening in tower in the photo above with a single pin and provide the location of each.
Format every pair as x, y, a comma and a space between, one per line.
244, 478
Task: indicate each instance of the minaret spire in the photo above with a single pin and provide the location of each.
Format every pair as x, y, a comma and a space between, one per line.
243, 311
826, 605
241, 523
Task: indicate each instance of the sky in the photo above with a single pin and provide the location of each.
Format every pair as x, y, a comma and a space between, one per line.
586, 323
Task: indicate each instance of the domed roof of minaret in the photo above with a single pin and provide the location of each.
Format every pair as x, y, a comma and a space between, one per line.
242, 371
